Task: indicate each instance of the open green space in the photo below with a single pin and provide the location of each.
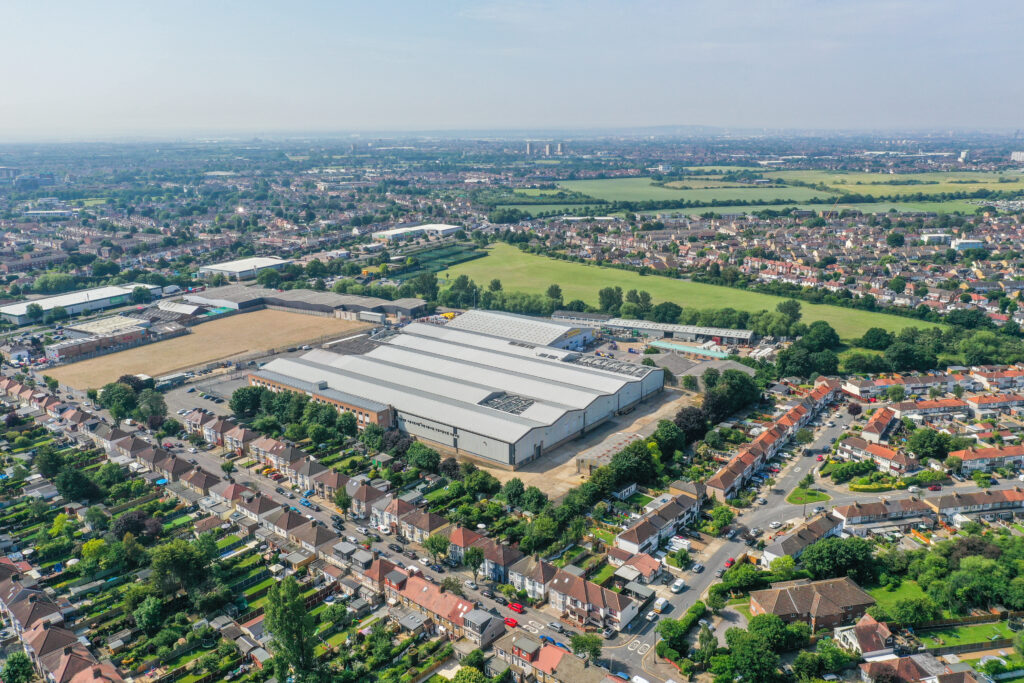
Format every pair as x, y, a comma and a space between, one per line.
533, 274
603, 574
885, 184
887, 598
639, 499
960, 635
949, 206
643, 189
802, 496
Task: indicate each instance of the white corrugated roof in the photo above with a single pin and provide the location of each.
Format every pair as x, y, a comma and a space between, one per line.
511, 326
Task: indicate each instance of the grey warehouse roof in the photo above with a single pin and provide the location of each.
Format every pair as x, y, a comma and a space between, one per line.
679, 329
511, 326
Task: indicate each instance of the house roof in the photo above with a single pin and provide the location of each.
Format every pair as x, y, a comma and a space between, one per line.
816, 599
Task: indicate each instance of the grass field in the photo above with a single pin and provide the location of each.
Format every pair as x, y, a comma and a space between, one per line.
961, 635
887, 598
642, 189
533, 274
801, 496
886, 184
209, 342
951, 206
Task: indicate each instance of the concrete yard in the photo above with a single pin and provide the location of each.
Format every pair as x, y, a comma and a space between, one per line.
555, 473
219, 340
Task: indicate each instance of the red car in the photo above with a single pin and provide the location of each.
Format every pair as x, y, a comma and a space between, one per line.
774, 470
730, 562
820, 458
935, 487
510, 622
516, 607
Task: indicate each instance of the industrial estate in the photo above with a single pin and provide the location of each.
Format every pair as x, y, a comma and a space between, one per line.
616, 404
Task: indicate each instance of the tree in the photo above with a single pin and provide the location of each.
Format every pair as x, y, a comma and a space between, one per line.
915, 610
710, 378
752, 655
783, 568
554, 292
982, 479
96, 518
832, 557
245, 401
895, 239
119, 399
436, 544
452, 585
292, 628
149, 615
178, 564
854, 409
35, 313
347, 424
342, 499
513, 491
473, 558
587, 644
423, 457
49, 463
896, 393
227, 467
807, 666
469, 674
807, 481
771, 628
18, 667
819, 336
791, 309
953, 463
692, 422
141, 295
876, 338
804, 436
494, 285
51, 382
74, 484
152, 406
372, 436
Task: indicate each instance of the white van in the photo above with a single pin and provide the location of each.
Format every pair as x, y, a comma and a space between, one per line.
914, 489
660, 604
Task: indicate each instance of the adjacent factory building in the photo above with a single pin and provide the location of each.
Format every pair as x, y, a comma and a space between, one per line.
409, 232
83, 301
328, 304
690, 333
502, 399
243, 269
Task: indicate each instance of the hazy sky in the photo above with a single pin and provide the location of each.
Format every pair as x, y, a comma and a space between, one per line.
71, 69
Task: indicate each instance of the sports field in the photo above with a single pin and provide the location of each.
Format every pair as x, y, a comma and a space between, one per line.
949, 206
209, 342
533, 274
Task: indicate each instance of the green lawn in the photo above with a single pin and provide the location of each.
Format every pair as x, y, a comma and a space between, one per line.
606, 536
603, 574
642, 189
533, 274
977, 633
886, 598
801, 496
948, 206
639, 499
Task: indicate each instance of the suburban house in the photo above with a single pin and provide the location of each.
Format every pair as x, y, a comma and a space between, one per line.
584, 603
888, 460
531, 660
533, 575
987, 459
822, 604
802, 537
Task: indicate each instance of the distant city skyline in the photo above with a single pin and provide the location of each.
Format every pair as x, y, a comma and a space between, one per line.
74, 71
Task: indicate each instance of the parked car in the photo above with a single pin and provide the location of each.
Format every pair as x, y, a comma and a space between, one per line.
516, 607
555, 626
697, 568
678, 586
775, 525
607, 633
470, 584
730, 562
500, 600
651, 616
935, 487
510, 622
487, 593
395, 547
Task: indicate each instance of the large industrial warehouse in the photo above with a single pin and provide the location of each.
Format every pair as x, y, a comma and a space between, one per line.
502, 400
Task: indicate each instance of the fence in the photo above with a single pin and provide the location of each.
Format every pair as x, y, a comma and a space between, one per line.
995, 644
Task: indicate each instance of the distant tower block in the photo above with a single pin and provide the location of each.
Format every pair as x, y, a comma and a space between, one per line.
547, 150
1017, 156
529, 149
558, 148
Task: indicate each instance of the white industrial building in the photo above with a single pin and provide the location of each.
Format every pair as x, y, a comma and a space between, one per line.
83, 301
540, 331
430, 230
693, 333
498, 399
243, 269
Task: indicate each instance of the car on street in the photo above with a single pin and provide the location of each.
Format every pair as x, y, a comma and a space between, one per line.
762, 501
470, 584
500, 600
935, 487
555, 626
516, 607
608, 633
730, 562
651, 616
395, 547
410, 554
818, 508
718, 573
775, 525
678, 586
697, 568
820, 458
487, 593
510, 622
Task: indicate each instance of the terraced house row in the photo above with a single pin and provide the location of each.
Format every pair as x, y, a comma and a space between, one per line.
725, 483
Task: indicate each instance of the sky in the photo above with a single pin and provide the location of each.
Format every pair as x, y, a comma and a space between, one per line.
116, 68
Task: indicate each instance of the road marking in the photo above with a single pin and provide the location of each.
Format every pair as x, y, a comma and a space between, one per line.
633, 645
643, 649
